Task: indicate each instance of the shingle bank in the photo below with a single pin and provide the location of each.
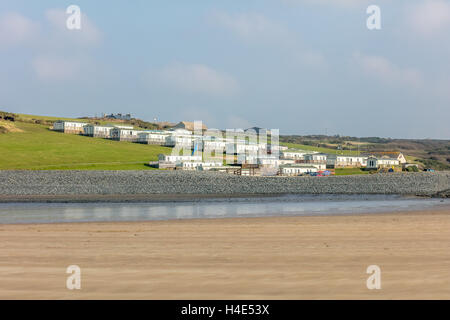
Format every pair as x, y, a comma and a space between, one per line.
20, 184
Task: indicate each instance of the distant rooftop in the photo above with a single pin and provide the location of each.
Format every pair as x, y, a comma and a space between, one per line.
118, 116
297, 165
188, 125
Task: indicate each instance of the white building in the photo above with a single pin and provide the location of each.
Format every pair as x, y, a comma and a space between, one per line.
198, 165
179, 159
181, 138
387, 154
384, 162
286, 161
69, 126
153, 137
188, 165
188, 125
220, 167
316, 158
122, 134
214, 143
269, 161
295, 154
179, 131
179, 141
92, 130
297, 169
211, 164
344, 161
241, 147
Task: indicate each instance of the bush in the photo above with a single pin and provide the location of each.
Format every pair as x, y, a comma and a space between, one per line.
412, 169
433, 164
7, 116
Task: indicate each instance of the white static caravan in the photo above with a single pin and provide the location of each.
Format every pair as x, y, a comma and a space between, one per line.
316, 158
275, 148
206, 166
188, 165
214, 143
153, 137
269, 162
69, 126
198, 165
296, 169
179, 159
286, 161
181, 138
92, 130
241, 147
383, 162
179, 141
387, 154
294, 154
122, 134
342, 161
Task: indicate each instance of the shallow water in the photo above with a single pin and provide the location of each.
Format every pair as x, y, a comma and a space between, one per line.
289, 205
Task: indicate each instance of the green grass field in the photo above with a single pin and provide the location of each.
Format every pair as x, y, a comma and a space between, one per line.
38, 148
349, 171
30, 118
318, 149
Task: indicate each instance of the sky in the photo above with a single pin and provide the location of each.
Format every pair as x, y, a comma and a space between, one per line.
300, 66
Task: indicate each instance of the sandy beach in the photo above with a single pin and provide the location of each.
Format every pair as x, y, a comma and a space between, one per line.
251, 258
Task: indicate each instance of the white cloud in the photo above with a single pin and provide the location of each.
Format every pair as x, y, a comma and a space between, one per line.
89, 34
252, 26
198, 79
311, 59
388, 72
58, 53
15, 29
343, 3
256, 29
55, 68
429, 17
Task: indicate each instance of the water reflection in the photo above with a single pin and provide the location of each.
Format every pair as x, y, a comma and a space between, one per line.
250, 207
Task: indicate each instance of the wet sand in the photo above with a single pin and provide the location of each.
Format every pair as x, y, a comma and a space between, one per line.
250, 258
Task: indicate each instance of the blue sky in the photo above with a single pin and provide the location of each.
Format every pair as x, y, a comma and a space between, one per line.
303, 66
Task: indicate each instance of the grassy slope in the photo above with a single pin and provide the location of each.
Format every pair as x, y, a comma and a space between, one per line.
349, 171
319, 149
29, 117
39, 148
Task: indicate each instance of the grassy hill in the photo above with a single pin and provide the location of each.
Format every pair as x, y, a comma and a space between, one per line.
27, 143
428, 153
34, 146
318, 149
